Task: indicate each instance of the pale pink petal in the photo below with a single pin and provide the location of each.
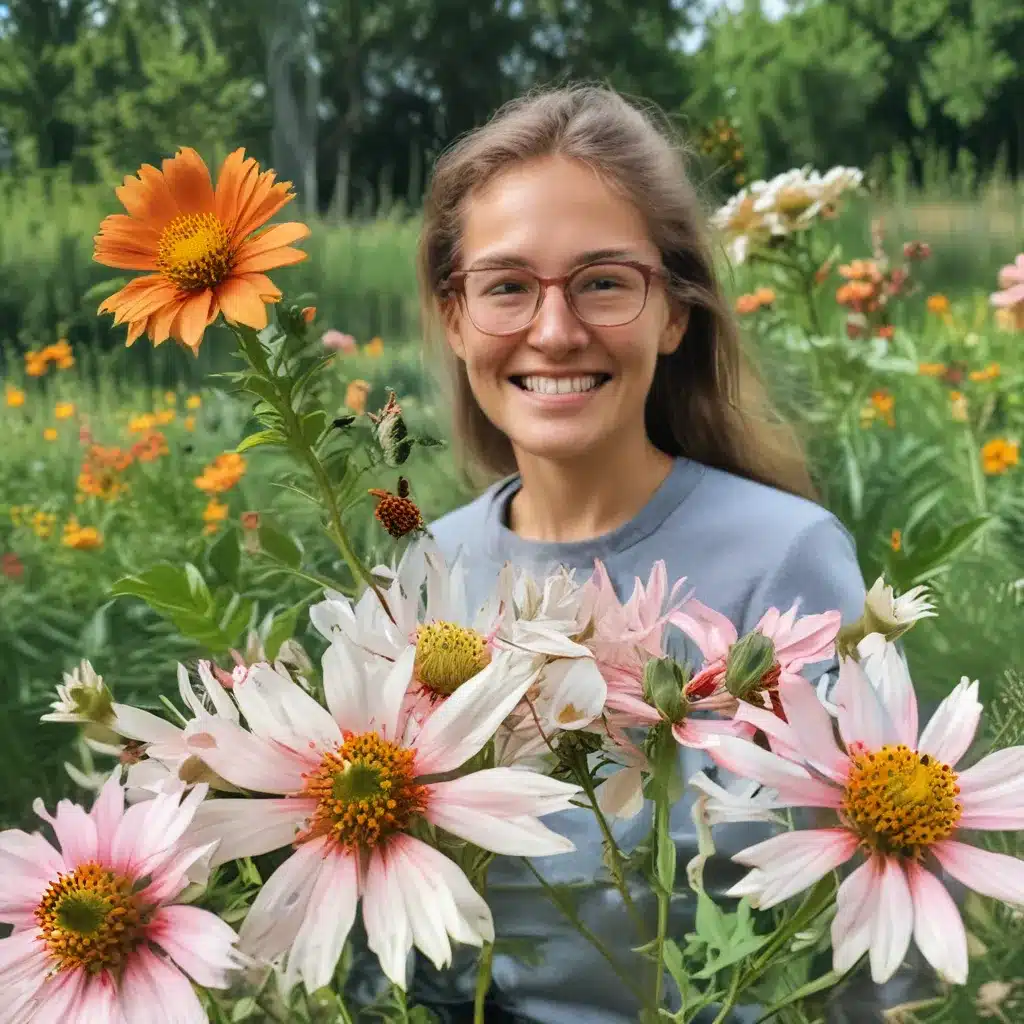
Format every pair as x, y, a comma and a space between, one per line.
460, 727
106, 814
388, 930
711, 631
24, 959
247, 761
992, 792
770, 724
504, 792
789, 863
886, 668
465, 913
28, 864
248, 828
951, 729
863, 718
574, 694
199, 942
64, 999
795, 785
136, 724
155, 991
280, 711
810, 639
812, 724
172, 876
702, 733
390, 693
634, 706
347, 685
938, 927
100, 1002
330, 913
621, 795
516, 836
991, 874
856, 908
74, 829
894, 922
421, 898
223, 705
276, 915
148, 831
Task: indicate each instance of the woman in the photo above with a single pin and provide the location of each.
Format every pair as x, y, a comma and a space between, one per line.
596, 366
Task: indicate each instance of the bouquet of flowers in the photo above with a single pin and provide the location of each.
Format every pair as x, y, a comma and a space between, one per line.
221, 868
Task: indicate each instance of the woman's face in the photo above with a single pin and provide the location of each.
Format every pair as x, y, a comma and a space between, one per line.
550, 216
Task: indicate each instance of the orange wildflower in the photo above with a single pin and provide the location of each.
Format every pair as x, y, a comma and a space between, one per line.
991, 372
896, 540
15, 396
151, 447
883, 403
222, 474
213, 515
355, 395
36, 364
309, 314
932, 369
938, 304
50, 434
374, 348
60, 353
999, 455
199, 246
81, 538
64, 410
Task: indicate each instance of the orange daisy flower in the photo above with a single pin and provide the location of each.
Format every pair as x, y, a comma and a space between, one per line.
199, 244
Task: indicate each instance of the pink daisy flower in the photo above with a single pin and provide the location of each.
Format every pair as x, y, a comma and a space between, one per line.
797, 642
899, 801
351, 784
97, 934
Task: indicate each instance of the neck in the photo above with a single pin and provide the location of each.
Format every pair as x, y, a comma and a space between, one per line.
586, 497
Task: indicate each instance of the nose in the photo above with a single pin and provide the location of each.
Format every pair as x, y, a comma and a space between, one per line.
557, 330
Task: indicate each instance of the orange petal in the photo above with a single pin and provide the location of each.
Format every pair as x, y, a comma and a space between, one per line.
129, 293
135, 329
240, 302
269, 292
188, 178
235, 183
122, 257
162, 320
148, 198
194, 317
263, 206
141, 301
118, 227
273, 238
269, 260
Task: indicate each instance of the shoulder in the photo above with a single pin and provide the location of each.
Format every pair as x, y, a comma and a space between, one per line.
776, 547
467, 526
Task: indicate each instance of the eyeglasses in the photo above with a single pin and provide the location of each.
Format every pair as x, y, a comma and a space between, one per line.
506, 300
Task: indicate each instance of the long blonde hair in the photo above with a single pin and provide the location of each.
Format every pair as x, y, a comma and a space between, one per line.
706, 401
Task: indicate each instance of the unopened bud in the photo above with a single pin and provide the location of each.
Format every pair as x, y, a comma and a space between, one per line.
664, 682
82, 697
392, 433
750, 659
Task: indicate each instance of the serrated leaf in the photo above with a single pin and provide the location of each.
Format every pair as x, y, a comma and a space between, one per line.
279, 545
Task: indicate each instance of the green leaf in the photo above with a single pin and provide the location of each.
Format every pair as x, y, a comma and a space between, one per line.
104, 289
261, 437
738, 942
279, 546
225, 555
244, 1009
252, 348
826, 981
263, 388
930, 562
665, 861
94, 635
313, 425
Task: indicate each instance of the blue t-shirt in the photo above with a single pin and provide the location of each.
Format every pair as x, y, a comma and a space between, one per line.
743, 547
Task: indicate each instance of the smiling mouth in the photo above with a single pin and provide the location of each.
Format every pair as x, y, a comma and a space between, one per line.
561, 385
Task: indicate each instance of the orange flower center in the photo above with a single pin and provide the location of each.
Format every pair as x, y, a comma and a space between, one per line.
90, 918
364, 791
448, 655
901, 801
195, 251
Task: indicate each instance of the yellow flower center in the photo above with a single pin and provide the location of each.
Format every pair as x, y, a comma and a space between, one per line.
901, 801
364, 791
90, 918
195, 251
448, 655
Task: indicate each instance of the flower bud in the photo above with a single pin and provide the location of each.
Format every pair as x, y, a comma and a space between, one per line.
750, 659
82, 697
392, 433
664, 682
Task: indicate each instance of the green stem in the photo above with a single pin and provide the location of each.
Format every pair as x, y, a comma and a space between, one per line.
730, 998
661, 825
583, 929
483, 982
582, 773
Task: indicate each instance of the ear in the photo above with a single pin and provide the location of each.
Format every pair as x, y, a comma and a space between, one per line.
451, 321
675, 330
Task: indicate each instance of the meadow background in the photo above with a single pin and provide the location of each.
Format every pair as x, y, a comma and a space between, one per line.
913, 422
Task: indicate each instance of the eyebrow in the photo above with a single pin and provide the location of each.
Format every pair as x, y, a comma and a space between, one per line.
502, 259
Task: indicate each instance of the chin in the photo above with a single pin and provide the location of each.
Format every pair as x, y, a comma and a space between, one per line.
562, 443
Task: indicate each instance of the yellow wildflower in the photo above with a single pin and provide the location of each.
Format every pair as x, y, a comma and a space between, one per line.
958, 407
142, 424
64, 410
193, 402
896, 540
15, 396
931, 369
35, 364
43, 524
374, 348
189, 423
50, 434
991, 372
81, 538
170, 397
999, 455
165, 416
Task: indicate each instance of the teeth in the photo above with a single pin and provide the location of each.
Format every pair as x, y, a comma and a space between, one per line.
561, 385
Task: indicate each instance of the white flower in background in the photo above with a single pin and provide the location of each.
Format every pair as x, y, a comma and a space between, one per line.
82, 697
892, 616
348, 783
742, 800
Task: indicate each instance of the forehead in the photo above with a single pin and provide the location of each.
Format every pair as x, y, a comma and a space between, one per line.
550, 212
